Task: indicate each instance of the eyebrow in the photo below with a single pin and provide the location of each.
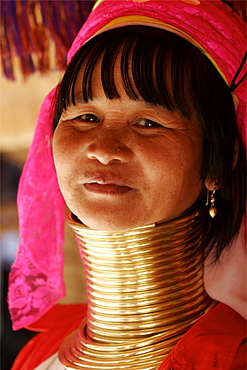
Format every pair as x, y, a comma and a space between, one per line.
79, 100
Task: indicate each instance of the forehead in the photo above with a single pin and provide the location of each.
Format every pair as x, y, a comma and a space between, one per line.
99, 95
98, 81
149, 66
117, 79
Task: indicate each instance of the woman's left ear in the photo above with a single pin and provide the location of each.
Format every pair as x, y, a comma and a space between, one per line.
212, 185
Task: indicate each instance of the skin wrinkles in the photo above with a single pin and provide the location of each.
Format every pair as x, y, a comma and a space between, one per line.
106, 142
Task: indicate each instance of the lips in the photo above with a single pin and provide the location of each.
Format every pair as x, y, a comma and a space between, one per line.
106, 185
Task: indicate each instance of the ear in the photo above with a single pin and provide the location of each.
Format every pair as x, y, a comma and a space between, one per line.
212, 185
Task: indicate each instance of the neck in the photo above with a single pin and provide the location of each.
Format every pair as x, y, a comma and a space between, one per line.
145, 290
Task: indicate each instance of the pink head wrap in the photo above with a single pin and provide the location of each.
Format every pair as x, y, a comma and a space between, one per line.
36, 278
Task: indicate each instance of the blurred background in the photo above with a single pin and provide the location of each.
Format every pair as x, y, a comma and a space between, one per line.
20, 102
35, 37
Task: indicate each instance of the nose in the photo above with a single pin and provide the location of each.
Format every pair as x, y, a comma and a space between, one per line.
109, 148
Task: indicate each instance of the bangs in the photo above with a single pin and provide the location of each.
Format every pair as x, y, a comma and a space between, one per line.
155, 67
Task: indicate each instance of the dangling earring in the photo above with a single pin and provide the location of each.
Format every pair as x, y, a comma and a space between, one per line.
212, 209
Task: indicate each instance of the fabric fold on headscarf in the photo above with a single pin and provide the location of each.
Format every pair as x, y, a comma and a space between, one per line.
36, 278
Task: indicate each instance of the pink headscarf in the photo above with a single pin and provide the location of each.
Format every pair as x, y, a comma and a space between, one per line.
36, 278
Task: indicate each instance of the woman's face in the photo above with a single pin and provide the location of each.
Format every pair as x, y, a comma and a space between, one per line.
122, 163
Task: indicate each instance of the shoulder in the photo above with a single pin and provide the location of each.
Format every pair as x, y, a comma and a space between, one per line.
218, 340
53, 328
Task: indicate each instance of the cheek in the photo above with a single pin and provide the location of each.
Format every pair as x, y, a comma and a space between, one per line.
64, 159
66, 148
173, 167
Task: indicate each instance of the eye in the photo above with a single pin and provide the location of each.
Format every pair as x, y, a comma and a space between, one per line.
87, 118
147, 123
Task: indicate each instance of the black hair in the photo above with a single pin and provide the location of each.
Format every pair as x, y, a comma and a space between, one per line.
163, 69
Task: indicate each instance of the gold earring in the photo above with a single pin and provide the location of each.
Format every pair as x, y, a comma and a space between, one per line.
212, 209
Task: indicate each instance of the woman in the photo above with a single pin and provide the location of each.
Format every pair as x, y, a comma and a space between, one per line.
144, 135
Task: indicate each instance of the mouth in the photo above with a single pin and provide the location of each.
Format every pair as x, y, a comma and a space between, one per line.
106, 185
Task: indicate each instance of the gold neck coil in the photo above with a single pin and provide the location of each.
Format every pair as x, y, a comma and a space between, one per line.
145, 290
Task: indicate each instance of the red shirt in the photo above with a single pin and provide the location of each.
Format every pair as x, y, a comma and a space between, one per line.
216, 341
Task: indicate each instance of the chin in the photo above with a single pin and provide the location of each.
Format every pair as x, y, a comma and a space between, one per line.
108, 224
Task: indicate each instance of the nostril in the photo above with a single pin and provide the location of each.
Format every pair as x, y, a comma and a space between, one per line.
109, 152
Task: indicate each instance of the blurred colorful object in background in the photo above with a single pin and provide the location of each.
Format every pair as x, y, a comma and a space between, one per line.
36, 35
